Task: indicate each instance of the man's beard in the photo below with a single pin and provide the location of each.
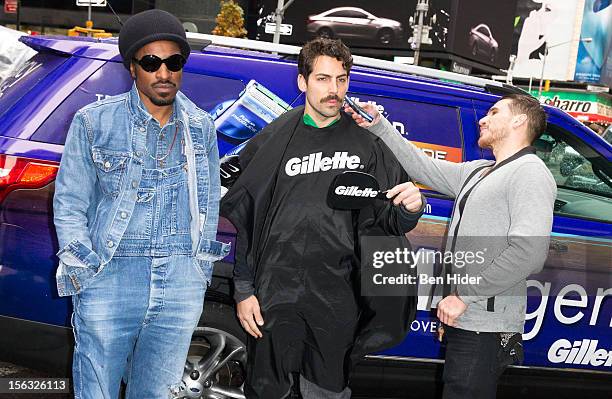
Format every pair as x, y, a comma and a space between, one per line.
493, 136
162, 102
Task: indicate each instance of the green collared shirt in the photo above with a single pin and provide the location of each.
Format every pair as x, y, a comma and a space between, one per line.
308, 121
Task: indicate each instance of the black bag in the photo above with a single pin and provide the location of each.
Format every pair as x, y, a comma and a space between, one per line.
510, 351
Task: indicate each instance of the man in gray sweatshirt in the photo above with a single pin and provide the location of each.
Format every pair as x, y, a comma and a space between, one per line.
503, 210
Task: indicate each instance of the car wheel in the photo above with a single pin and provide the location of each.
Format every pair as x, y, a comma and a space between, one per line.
385, 36
474, 49
216, 361
325, 32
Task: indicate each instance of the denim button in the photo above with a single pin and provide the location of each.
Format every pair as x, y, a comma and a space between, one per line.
107, 164
134, 184
124, 215
110, 244
142, 129
139, 153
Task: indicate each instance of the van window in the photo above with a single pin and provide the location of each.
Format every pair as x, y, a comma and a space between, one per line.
584, 183
24, 78
434, 128
205, 91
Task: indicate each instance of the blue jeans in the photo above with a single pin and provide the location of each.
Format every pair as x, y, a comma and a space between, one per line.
134, 322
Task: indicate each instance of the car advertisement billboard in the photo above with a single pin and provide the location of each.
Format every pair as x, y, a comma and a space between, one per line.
359, 23
596, 26
471, 28
552, 23
483, 32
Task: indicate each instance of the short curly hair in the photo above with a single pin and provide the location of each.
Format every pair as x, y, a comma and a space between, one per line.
323, 46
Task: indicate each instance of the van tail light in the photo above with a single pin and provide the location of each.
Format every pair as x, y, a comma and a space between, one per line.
18, 172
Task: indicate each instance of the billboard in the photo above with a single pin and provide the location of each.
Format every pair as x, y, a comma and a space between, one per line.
596, 25
472, 29
584, 106
541, 23
482, 30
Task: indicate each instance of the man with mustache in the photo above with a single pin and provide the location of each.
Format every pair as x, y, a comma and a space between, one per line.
136, 209
297, 259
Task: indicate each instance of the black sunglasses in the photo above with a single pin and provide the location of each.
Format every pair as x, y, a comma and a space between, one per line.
152, 63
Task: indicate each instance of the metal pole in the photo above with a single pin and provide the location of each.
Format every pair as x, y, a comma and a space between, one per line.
530, 83
422, 8
18, 15
89, 12
278, 17
542, 74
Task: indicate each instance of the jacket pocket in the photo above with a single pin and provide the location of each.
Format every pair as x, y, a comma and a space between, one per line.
110, 167
211, 250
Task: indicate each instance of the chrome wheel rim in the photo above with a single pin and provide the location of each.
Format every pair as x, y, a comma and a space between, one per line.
215, 365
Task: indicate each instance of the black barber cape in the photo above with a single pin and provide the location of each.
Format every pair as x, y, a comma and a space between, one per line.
286, 230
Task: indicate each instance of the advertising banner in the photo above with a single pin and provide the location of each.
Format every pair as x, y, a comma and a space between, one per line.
586, 107
541, 23
469, 28
596, 25
482, 31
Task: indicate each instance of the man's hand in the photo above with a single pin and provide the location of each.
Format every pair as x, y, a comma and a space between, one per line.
450, 308
369, 108
250, 316
408, 195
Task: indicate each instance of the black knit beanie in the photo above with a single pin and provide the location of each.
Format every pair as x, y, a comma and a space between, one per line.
150, 26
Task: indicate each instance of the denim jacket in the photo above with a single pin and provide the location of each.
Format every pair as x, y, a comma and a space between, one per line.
100, 172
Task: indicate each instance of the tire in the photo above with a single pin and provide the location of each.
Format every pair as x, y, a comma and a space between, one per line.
325, 32
216, 362
385, 36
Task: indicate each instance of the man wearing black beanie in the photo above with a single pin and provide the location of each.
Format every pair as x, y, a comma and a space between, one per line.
136, 209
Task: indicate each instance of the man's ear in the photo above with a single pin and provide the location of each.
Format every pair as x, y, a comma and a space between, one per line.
133, 70
302, 84
518, 120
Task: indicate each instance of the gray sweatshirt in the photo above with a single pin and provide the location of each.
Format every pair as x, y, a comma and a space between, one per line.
507, 215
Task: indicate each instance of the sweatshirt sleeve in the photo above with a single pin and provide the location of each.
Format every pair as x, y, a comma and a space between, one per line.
442, 176
394, 220
531, 196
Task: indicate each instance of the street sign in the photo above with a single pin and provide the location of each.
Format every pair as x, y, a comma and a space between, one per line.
93, 3
10, 6
285, 29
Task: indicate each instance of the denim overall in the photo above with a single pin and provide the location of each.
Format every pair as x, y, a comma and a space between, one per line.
143, 307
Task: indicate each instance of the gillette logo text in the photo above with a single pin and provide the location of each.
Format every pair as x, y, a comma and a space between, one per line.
583, 352
316, 162
355, 191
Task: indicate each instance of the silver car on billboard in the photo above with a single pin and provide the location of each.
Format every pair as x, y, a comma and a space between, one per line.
354, 23
481, 42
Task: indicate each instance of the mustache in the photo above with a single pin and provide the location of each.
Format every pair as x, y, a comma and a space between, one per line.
331, 97
163, 82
